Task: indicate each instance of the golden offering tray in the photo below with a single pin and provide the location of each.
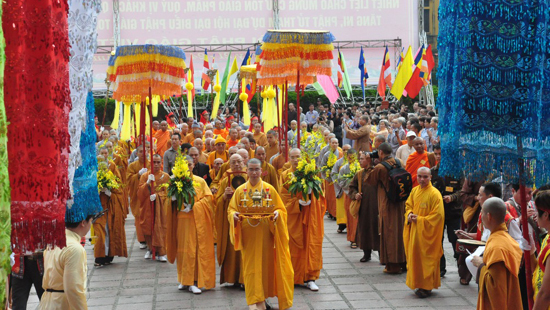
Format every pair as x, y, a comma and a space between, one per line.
255, 216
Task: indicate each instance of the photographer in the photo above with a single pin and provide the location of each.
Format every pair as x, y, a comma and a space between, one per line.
362, 135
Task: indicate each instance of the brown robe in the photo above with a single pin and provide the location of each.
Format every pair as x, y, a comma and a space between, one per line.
368, 237
132, 177
391, 217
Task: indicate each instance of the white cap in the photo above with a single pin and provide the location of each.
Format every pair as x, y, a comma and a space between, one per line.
411, 134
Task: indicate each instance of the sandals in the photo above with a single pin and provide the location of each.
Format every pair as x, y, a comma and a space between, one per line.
365, 259
98, 265
421, 293
353, 245
464, 282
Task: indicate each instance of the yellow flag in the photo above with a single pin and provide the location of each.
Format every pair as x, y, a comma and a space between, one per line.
403, 76
234, 68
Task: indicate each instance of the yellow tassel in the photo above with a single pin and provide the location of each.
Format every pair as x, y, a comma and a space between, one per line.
217, 89
137, 110
114, 124
147, 120
126, 125
156, 100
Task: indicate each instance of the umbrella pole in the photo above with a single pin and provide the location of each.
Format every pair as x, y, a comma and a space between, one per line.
524, 222
298, 107
152, 183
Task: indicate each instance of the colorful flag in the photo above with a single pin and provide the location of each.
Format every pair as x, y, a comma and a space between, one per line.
403, 76
362, 71
205, 81
415, 82
257, 60
225, 80
401, 58
234, 68
340, 79
428, 64
346, 81
247, 58
421, 73
385, 75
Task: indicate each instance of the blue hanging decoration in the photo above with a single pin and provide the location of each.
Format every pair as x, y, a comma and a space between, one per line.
494, 82
86, 195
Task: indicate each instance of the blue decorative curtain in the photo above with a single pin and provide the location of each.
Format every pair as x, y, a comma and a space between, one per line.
494, 88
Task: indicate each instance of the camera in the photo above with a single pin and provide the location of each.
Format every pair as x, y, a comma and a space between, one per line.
372, 154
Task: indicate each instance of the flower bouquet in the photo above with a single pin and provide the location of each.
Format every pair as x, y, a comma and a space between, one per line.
331, 161
354, 169
181, 185
106, 179
305, 180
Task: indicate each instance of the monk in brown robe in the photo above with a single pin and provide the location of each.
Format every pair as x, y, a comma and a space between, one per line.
420, 158
272, 146
111, 225
391, 214
368, 238
259, 136
228, 258
305, 228
280, 160
269, 174
190, 239
163, 137
498, 269
135, 171
121, 162
221, 172
154, 233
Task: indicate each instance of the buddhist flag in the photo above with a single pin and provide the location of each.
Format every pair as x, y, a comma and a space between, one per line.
225, 79
385, 75
340, 79
401, 58
205, 82
415, 83
403, 76
257, 59
362, 70
234, 68
247, 58
428, 64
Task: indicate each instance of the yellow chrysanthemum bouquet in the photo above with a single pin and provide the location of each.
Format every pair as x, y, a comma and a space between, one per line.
354, 168
331, 161
107, 179
181, 184
305, 179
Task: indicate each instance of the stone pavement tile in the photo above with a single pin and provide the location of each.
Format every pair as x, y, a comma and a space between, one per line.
443, 293
176, 295
449, 301
139, 282
380, 279
99, 301
208, 302
323, 296
174, 304
362, 296
102, 293
105, 307
327, 266
410, 302
329, 305
334, 260
369, 304
349, 280
134, 299
454, 307
389, 295
332, 254
136, 291
141, 306
111, 276
342, 271
392, 287
104, 284
353, 288
295, 306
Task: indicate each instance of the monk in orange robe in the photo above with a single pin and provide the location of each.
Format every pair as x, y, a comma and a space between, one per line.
154, 233
220, 152
134, 172
272, 147
228, 258
156, 127
259, 136
305, 229
422, 234
220, 130
233, 138
262, 240
269, 174
121, 161
162, 136
190, 239
499, 267
418, 159
111, 225
221, 172
280, 160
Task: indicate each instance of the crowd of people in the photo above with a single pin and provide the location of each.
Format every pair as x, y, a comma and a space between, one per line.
381, 185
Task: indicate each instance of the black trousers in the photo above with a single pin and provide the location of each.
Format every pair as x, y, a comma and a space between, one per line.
21, 288
452, 224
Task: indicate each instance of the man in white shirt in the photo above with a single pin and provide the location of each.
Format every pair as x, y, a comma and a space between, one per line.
405, 150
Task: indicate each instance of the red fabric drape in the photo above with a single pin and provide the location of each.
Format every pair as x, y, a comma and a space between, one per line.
37, 106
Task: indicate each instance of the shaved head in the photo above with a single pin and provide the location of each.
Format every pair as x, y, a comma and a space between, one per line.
496, 207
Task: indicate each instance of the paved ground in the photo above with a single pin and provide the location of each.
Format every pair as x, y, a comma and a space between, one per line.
345, 283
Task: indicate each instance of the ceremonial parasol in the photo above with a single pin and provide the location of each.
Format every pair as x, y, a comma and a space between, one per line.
294, 57
494, 99
139, 72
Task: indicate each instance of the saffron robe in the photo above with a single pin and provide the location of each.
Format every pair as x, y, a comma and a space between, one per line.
498, 275
422, 239
261, 140
190, 239
162, 207
270, 176
222, 132
271, 151
132, 176
163, 137
230, 143
415, 161
341, 186
267, 270
214, 155
306, 231
229, 259
219, 176
111, 224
